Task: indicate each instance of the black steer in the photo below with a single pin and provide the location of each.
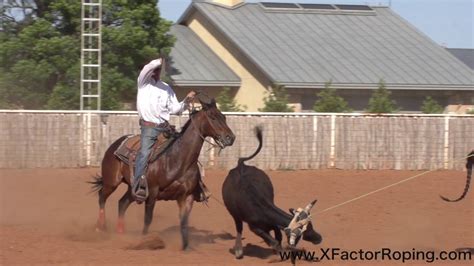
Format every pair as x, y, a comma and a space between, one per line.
248, 196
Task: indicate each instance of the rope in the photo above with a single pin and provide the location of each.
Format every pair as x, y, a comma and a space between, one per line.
218, 201
212, 195
383, 188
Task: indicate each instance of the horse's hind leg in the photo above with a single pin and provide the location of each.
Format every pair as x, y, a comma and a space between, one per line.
112, 176
104, 193
124, 202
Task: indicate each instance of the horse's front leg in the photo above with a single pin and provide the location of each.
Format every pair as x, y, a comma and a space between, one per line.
185, 207
149, 207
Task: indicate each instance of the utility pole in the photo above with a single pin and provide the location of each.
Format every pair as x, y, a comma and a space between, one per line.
91, 56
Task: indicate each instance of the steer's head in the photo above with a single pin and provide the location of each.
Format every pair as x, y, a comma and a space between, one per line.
301, 225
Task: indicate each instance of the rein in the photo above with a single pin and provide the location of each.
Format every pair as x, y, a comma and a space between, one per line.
199, 132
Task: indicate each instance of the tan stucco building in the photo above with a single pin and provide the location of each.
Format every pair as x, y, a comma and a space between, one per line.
251, 46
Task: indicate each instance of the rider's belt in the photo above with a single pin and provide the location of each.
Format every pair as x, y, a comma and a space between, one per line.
151, 124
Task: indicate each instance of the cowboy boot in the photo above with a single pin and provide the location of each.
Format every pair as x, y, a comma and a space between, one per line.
140, 189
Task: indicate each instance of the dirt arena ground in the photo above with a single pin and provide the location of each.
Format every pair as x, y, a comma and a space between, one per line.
48, 217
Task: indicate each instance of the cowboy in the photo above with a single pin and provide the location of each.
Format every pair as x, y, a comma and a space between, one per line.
156, 101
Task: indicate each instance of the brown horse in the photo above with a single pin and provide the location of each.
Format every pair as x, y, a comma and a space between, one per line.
173, 176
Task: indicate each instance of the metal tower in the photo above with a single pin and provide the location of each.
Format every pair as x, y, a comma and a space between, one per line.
91, 57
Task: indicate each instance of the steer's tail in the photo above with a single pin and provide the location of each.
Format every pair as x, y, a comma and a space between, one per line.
258, 134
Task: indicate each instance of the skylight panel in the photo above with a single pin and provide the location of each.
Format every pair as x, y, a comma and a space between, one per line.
280, 5
317, 6
354, 7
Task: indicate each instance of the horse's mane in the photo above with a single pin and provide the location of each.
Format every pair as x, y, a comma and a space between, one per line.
186, 125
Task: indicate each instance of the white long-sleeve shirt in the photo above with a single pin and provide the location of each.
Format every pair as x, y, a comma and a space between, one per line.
156, 101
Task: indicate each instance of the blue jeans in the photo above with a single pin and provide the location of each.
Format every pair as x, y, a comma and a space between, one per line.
147, 139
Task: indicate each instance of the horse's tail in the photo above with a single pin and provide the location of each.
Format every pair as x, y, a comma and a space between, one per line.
258, 134
469, 166
97, 183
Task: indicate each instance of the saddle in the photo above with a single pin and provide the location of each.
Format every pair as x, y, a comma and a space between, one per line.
128, 149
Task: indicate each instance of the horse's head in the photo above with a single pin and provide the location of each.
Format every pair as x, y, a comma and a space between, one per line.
301, 226
212, 123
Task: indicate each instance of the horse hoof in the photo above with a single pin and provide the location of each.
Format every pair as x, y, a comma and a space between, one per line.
120, 230
100, 229
239, 254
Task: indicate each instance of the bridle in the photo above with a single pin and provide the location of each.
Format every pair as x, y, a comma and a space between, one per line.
192, 111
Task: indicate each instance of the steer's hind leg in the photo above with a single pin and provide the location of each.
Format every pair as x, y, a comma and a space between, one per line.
238, 251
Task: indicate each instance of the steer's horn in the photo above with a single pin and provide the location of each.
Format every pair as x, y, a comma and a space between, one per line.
309, 206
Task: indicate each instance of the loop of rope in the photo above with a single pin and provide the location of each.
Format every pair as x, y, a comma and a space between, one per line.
383, 188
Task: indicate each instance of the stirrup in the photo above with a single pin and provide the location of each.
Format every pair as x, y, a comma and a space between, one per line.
140, 190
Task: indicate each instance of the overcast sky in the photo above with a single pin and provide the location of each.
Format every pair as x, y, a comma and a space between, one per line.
447, 22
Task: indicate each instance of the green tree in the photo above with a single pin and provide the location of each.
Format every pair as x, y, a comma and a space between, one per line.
470, 112
40, 51
276, 101
330, 102
380, 101
226, 103
431, 106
